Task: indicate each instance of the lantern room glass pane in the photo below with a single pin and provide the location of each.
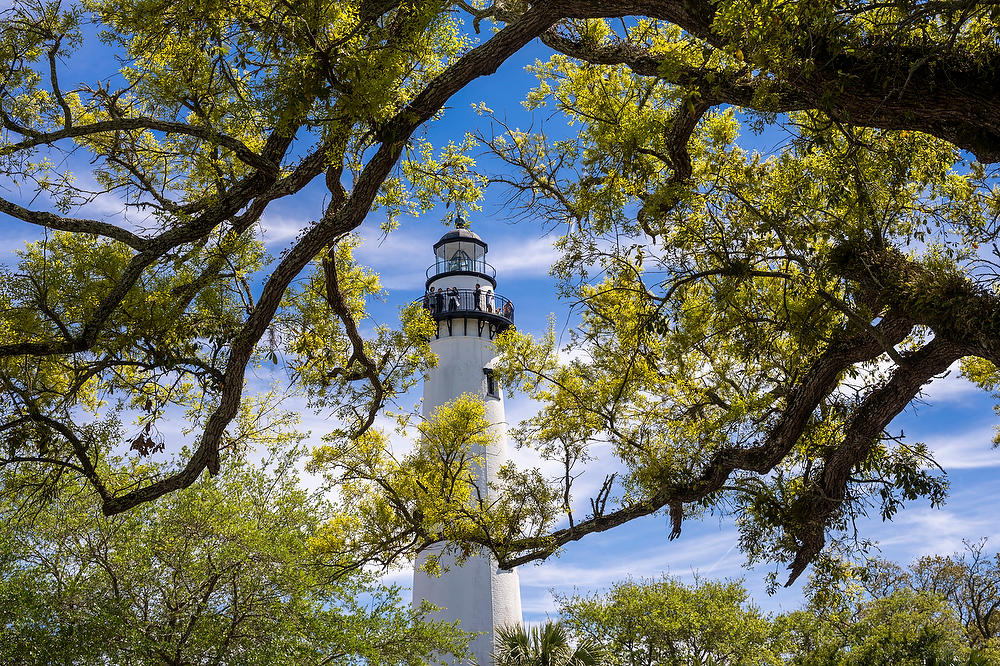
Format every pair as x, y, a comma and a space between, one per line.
460, 261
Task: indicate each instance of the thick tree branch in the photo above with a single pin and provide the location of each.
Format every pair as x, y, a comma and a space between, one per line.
369, 369
223, 208
826, 495
677, 135
480, 61
60, 223
800, 404
895, 86
238, 148
947, 302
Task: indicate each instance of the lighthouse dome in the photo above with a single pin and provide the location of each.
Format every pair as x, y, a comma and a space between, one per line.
461, 252
462, 237
457, 234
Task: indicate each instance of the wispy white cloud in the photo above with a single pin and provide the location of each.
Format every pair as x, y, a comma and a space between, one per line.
950, 387
519, 259
109, 207
972, 449
969, 514
12, 239
538, 605
278, 229
608, 565
923, 531
574, 354
403, 577
402, 257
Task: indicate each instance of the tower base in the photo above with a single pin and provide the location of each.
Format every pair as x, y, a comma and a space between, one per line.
476, 593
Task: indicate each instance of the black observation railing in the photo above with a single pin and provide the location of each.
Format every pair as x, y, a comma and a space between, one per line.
466, 265
446, 303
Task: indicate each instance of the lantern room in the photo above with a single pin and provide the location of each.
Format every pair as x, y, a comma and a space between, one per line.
461, 251
460, 292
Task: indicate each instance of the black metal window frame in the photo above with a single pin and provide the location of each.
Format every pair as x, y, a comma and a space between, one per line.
492, 386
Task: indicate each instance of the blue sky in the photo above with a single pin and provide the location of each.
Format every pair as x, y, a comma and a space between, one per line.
955, 420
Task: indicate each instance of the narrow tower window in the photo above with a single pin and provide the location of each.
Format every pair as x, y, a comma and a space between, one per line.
492, 386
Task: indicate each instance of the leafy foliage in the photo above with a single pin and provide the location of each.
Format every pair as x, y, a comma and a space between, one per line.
881, 613
216, 112
749, 325
853, 615
437, 493
968, 581
221, 572
748, 334
666, 623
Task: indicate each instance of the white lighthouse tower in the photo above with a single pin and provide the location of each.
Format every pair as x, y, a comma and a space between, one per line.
477, 593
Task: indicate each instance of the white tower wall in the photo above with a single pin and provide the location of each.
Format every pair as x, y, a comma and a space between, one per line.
476, 593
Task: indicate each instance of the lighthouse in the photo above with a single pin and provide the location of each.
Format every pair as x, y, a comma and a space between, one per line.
462, 299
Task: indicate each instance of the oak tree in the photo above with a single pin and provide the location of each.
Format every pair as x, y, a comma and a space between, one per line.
221, 572
749, 324
664, 622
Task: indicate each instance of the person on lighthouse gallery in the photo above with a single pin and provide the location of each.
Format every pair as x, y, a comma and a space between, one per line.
439, 301
478, 294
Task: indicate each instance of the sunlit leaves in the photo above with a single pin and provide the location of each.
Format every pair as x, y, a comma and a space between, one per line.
432, 489
199, 117
218, 572
443, 490
706, 301
664, 621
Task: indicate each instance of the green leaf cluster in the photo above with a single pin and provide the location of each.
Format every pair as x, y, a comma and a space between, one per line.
221, 572
393, 502
663, 622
